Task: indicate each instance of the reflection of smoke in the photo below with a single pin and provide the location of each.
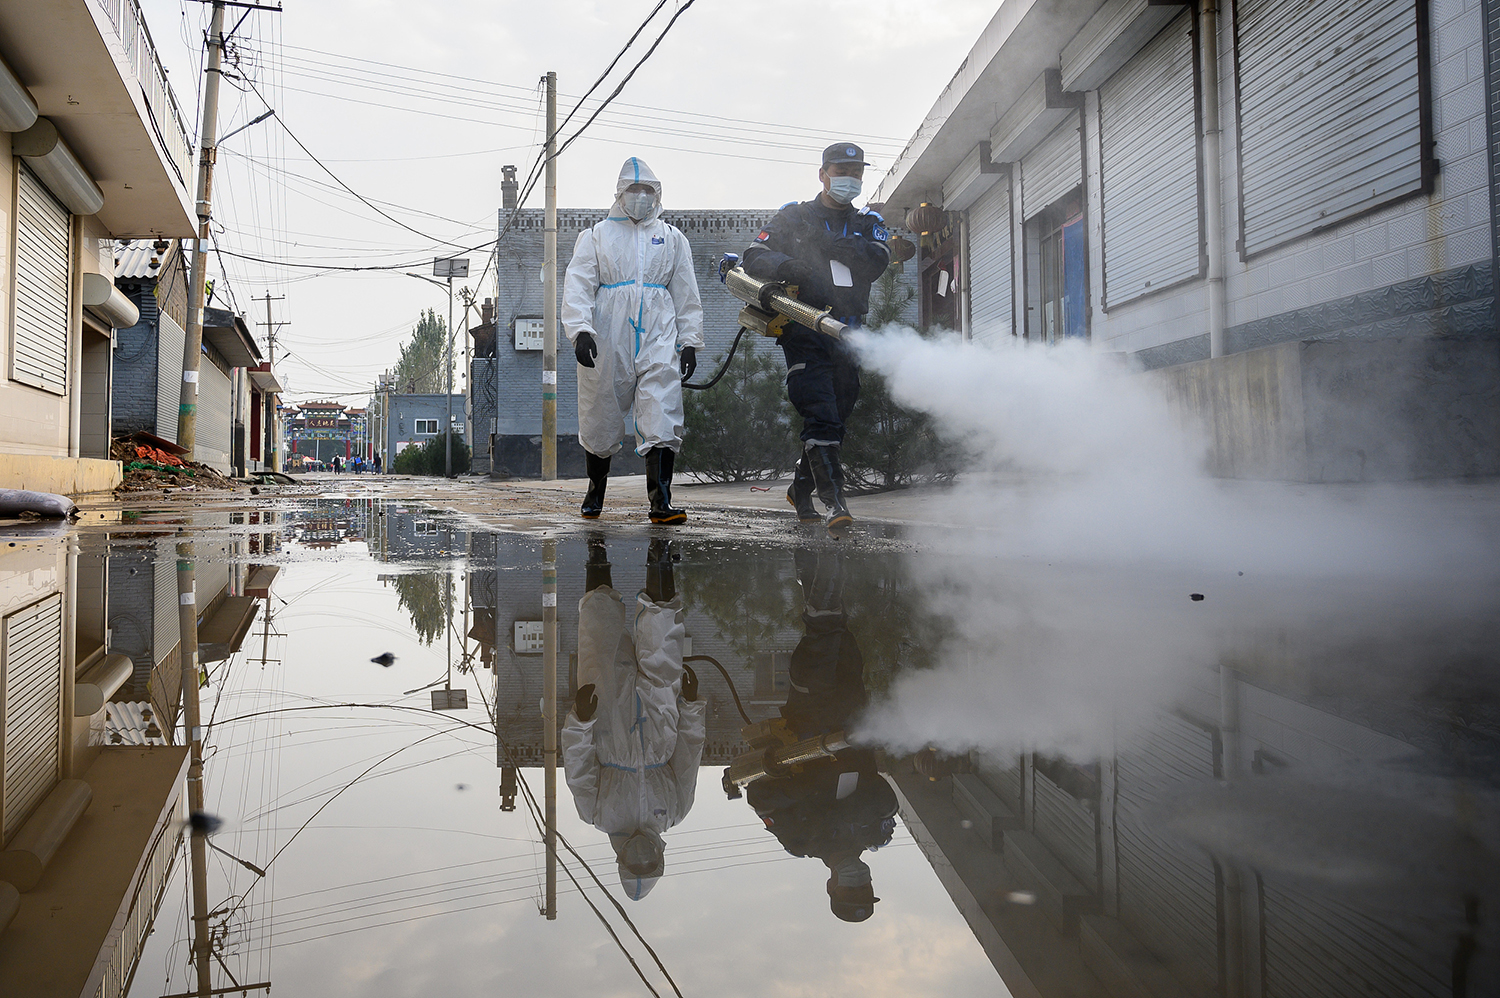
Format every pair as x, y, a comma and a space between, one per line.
1093, 522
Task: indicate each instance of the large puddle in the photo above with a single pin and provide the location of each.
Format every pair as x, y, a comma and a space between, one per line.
1004, 774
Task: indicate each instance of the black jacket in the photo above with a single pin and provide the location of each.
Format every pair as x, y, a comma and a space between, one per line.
815, 234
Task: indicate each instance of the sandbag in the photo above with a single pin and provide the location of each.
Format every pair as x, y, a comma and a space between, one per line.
14, 502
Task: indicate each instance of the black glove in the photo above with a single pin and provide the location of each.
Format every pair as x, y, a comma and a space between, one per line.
585, 702
689, 683
688, 362
584, 348
796, 272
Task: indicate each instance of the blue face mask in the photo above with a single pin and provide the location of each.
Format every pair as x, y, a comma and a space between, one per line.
844, 189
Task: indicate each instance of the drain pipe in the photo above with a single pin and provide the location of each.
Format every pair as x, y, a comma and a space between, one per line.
1213, 198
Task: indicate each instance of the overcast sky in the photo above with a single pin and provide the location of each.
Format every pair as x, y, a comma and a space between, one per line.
417, 109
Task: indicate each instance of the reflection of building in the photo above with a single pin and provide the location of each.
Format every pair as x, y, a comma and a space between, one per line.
506, 378
90, 814
506, 569
1122, 907
93, 147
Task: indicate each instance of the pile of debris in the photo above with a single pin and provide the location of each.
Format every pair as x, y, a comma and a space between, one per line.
152, 464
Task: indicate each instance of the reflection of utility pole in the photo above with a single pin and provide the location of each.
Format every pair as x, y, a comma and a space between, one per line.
187, 625
549, 711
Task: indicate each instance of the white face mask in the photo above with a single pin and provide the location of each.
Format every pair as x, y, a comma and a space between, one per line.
844, 189
637, 204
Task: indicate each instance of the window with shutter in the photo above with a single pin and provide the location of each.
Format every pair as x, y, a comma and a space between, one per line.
39, 348
32, 663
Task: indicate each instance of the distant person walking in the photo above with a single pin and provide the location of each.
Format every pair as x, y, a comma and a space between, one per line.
378, 464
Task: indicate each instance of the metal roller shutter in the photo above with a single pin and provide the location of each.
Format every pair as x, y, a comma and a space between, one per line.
164, 625
1168, 891
214, 418
39, 349
1150, 182
1052, 169
989, 268
169, 340
1067, 828
1317, 945
33, 660
1330, 112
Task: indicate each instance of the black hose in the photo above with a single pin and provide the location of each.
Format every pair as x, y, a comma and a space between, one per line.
725, 673
722, 368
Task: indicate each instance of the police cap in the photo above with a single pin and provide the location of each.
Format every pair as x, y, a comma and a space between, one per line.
844, 152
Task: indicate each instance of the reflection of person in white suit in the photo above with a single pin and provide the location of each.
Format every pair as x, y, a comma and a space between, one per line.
634, 739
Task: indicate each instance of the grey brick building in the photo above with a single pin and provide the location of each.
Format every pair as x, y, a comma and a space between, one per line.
506, 381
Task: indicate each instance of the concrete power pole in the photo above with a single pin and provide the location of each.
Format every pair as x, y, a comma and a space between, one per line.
549, 294
268, 415
192, 347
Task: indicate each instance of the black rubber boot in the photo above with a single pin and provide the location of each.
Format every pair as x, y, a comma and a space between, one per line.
661, 587
593, 499
596, 571
829, 474
800, 492
659, 486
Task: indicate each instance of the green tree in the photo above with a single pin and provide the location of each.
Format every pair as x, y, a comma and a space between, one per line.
420, 369
431, 458
742, 428
426, 596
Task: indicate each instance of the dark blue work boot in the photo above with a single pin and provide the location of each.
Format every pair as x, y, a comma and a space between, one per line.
800, 492
829, 475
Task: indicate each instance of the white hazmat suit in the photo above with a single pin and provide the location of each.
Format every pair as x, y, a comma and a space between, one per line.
631, 284
633, 766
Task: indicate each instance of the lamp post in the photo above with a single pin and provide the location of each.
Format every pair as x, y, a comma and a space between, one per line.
449, 267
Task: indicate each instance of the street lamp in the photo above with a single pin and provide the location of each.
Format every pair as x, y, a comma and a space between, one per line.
449, 267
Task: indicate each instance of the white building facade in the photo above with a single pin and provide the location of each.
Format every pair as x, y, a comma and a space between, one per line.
1337, 217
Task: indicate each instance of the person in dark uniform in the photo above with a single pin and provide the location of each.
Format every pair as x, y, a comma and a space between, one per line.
831, 253
831, 809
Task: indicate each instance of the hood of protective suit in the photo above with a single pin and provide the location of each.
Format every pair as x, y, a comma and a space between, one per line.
638, 885
635, 171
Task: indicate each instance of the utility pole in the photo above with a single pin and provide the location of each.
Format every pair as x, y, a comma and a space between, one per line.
192, 347
549, 704
549, 294
269, 415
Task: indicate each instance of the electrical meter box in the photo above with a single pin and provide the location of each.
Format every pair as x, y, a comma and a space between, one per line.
528, 334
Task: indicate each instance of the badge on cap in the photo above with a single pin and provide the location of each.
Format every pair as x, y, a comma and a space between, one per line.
851, 151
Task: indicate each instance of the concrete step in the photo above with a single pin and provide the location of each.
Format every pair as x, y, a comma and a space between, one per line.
1059, 893
991, 816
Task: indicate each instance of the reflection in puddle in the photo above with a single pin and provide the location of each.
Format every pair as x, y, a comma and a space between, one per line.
1287, 788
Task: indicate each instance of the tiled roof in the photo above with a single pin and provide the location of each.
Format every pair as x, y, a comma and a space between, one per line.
134, 261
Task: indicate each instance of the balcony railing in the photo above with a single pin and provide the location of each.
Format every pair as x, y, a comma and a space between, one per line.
166, 116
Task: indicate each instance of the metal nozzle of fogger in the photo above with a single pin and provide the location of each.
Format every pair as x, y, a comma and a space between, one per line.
768, 305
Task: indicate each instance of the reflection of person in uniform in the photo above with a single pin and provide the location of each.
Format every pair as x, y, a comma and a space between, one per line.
634, 739
832, 809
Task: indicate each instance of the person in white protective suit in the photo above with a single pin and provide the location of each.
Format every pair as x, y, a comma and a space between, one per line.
632, 312
633, 741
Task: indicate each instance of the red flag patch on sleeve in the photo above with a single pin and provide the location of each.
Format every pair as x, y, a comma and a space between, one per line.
764, 235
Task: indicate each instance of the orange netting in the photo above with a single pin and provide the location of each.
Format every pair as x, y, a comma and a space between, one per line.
158, 456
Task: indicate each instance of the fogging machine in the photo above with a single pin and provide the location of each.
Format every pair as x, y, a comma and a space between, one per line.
769, 306
775, 751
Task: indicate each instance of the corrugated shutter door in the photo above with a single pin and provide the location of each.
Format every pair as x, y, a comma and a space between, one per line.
1330, 112
32, 708
1316, 944
990, 269
1067, 827
39, 350
214, 396
169, 340
165, 626
1167, 888
1149, 181
1052, 169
